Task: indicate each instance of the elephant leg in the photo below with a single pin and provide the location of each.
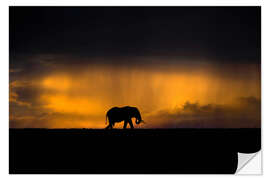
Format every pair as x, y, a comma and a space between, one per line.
108, 126
130, 123
125, 124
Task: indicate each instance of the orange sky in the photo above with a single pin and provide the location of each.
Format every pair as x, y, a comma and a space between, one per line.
71, 97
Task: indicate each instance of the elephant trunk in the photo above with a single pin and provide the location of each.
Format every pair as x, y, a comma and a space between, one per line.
138, 121
138, 117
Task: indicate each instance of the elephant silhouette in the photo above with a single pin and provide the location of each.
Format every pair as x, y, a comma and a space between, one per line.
118, 114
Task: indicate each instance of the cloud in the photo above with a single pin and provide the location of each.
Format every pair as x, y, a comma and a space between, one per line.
13, 95
14, 70
244, 113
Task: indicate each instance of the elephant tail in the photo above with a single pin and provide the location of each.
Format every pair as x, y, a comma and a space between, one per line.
106, 119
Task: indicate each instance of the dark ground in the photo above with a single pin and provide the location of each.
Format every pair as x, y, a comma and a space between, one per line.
141, 151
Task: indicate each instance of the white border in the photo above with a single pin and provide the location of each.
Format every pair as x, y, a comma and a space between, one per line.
4, 77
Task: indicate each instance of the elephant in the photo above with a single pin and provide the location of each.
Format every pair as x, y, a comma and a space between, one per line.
118, 114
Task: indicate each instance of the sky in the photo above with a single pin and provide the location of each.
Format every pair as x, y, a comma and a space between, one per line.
182, 67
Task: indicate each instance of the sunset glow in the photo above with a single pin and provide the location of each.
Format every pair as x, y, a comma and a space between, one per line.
87, 93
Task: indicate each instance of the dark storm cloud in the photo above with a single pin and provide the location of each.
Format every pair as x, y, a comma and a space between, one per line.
223, 33
244, 113
43, 39
36, 67
29, 67
25, 91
